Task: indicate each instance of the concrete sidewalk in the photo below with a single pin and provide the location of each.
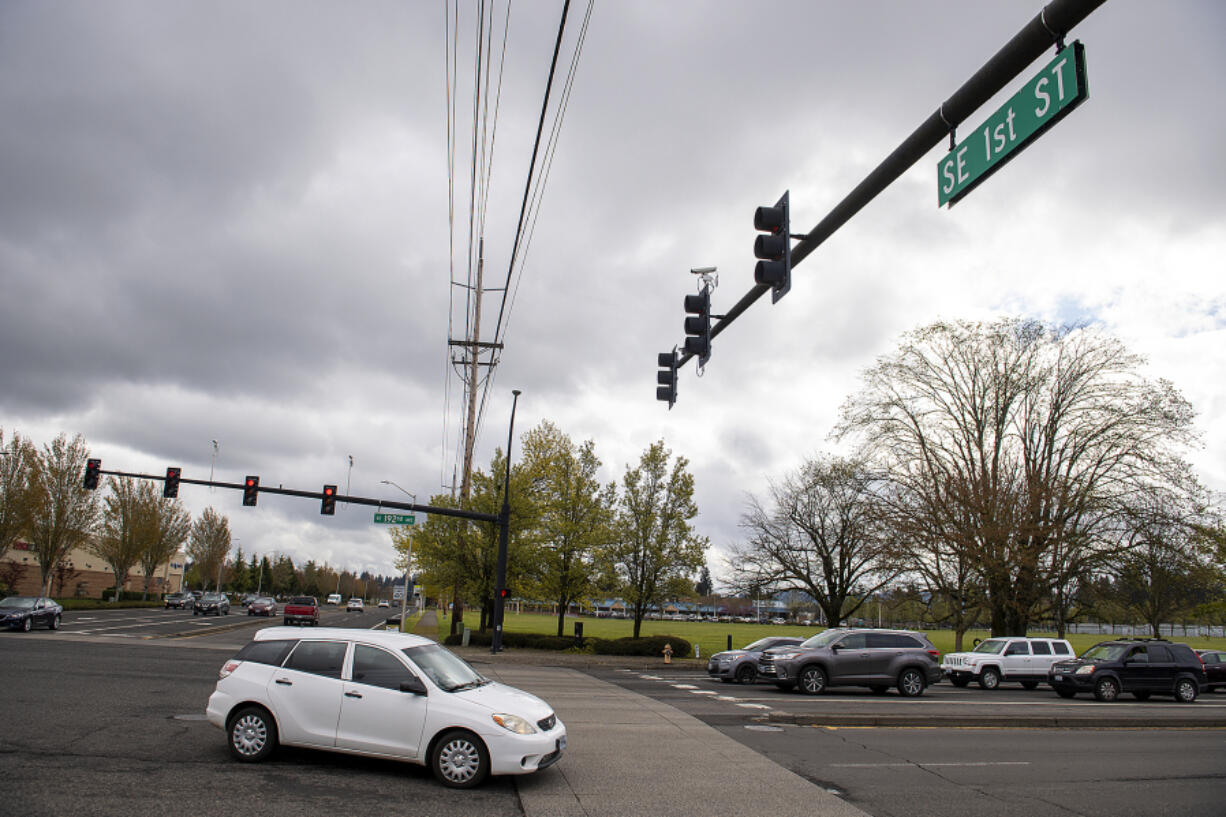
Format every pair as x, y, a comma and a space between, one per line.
631, 755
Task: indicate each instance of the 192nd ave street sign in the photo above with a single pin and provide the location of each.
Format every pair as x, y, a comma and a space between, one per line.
394, 519
1042, 102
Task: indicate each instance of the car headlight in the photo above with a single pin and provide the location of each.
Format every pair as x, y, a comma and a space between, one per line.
1088, 669
513, 723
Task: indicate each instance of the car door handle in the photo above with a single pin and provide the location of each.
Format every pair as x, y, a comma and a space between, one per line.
284, 682
353, 695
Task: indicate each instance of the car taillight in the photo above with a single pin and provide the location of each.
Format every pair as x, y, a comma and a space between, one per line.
229, 667
934, 653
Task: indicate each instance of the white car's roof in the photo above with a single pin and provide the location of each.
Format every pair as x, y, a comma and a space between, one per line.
383, 638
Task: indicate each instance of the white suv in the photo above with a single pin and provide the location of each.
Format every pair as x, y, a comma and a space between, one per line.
1006, 659
381, 694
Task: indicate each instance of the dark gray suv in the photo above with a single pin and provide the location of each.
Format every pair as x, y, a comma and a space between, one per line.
877, 659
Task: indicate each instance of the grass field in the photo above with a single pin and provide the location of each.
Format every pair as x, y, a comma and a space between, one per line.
711, 637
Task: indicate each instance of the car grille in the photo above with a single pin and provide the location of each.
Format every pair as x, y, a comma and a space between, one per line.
766, 664
955, 660
547, 723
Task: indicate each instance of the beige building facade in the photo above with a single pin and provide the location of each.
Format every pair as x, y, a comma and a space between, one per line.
83, 575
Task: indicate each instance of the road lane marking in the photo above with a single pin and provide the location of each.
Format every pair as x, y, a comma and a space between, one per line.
922, 764
753, 706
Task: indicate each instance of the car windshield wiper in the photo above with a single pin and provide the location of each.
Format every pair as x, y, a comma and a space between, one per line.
470, 684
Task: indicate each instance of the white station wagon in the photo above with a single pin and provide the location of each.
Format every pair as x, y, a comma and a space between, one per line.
381, 694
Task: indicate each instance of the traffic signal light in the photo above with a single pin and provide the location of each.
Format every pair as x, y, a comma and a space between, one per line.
251, 490
698, 326
666, 378
328, 506
775, 248
93, 469
504, 593
170, 488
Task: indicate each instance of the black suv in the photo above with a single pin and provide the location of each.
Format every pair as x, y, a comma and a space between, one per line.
877, 659
1141, 666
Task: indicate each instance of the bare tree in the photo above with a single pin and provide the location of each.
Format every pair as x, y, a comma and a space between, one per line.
208, 545
64, 511
821, 534
1019, 447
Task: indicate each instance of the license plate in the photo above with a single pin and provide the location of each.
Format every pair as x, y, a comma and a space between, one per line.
1058, 677
561, 743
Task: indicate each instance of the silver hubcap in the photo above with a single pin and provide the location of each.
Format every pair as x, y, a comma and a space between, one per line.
991, 680
458, 760
1184, 691
814, 682
250, 735
1107, 690
912, 684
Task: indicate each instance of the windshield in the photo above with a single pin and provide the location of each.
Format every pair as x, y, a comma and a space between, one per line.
992, 645
212, 597
759, 645
18, 601
823, 639
264, 600
1104, 652
447, 670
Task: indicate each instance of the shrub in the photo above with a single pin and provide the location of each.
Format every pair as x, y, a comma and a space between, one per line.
651, 646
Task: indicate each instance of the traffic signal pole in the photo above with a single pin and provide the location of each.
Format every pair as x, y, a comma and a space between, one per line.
1047, 29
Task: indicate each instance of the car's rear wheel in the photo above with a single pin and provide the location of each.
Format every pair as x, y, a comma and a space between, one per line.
460, 760
1185, 690
911, 683
989, 678
812, 680
252, 734
746, 674
1107, 689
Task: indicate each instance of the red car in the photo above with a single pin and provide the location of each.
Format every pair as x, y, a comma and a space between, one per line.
262, 606
1215, 668
301, 610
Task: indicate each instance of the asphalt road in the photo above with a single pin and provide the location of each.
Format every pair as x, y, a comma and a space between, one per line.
948, 772
160, 622
106, 728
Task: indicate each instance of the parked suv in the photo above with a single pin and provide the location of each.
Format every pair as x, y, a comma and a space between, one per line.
877, 659
216, 603
742, 665
1142, 666
184, 601
1006, 659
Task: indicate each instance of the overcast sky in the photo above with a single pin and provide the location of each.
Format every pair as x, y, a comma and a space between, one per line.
229, 221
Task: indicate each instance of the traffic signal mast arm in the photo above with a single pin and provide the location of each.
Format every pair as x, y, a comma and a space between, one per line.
1048, 28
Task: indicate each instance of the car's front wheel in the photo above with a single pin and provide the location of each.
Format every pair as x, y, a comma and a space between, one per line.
460, 760
911, 683
27, 624
746, 674
812, 680
253, 734
55, 622
989, 678
1185, 690
1107, 689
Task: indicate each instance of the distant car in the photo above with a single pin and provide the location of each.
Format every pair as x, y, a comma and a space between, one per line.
215, 603
334, 598
1141, 666
741, 665
382, 694
1215, 668
1020, 659
301, 610
877, 659
262, 606
355, 605
384, 603
27, 612
183, 601
248, 598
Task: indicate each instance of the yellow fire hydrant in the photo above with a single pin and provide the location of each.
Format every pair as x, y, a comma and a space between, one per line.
668, 653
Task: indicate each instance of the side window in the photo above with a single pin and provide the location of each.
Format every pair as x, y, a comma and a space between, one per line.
266, 652
1210, 658
1137, 654
319, 658
1060, 648
377, 667
1018, 648
855, 641
876, 641
1160, 654
1040, 647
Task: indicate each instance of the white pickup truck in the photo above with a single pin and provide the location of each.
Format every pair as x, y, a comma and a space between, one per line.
1006, 659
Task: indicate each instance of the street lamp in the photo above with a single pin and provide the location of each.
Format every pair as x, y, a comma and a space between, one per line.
408, 562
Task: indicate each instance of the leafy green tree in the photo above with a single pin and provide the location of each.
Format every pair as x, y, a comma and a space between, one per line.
64, 513
573, 515
654, 539
240, 580
208, 545
168, 526
123, 531
17, 497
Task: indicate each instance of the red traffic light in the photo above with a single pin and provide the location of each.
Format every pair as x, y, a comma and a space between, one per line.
327, 506
251, 491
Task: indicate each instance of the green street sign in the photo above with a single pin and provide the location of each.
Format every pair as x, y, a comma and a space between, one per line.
1043, 101
394, 519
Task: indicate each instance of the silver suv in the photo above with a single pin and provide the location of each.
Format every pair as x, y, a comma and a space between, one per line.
877, 659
